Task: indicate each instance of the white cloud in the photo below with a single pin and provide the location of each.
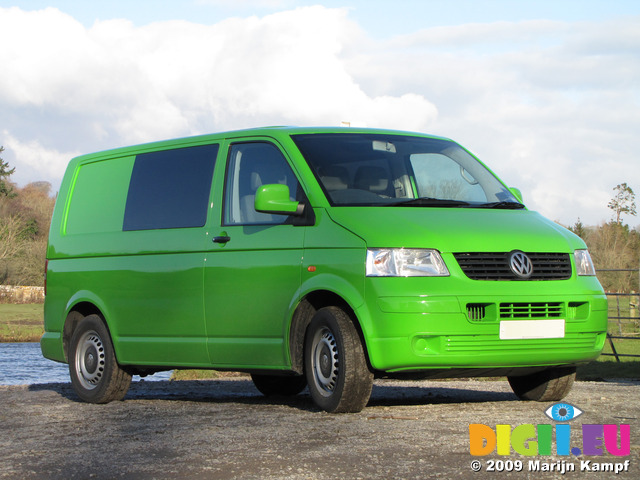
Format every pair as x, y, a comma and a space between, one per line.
47, 162
176, 77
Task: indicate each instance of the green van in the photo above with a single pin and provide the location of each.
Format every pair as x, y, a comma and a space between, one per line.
319, 257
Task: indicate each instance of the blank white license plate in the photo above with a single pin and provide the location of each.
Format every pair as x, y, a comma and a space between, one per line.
526, 329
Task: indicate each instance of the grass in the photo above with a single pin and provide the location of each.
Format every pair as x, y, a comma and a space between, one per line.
629, 346
24, 323
624, 305
606, 366
21, 323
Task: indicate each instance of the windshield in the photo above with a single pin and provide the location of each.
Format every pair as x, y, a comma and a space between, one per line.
376, 169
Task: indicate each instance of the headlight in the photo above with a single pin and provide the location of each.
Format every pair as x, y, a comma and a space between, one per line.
405, 262
584, 264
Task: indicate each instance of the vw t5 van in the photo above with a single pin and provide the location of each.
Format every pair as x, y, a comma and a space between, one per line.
312, 257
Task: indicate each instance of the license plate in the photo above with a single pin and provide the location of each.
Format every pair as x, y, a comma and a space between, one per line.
530, 329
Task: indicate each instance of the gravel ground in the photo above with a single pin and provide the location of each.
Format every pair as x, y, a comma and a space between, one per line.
224, 429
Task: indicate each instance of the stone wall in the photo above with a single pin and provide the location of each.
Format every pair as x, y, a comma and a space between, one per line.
12, 294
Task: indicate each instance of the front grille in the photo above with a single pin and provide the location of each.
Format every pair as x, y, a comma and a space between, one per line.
495, 266
531, 310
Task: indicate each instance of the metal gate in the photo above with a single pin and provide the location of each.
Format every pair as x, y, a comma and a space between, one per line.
624, 318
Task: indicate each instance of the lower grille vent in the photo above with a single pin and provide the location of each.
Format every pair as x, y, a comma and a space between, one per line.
531, 310
476, 311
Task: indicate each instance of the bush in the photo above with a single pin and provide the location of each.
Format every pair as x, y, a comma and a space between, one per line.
25, 216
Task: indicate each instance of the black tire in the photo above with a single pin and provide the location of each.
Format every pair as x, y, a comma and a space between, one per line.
552, 384
95, 374
336, 368
278, 385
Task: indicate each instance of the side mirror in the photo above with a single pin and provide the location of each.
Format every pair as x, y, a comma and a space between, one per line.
274, 198
516, 193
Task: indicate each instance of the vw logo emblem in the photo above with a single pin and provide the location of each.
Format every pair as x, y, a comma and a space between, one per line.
520, 264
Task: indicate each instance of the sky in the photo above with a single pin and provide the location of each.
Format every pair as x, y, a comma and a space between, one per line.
545, 92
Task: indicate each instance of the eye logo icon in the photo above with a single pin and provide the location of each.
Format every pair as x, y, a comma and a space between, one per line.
563, 412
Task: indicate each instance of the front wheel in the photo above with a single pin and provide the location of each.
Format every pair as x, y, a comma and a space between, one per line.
95, 374
335, 364
551, 384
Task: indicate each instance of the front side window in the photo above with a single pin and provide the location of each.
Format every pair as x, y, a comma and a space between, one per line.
250, 166
379, 169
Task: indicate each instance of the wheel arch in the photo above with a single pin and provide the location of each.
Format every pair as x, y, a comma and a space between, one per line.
76, 314
307, 307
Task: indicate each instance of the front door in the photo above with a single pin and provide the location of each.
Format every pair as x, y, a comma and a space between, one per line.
253, 268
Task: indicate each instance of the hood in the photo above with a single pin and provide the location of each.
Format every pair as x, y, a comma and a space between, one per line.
456, 229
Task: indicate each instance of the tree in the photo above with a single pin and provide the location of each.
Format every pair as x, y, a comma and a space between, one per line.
623, 202
579, 229
5, 188
615, 246
12, 236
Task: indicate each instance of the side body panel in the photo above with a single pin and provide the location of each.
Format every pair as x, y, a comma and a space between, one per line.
147, 284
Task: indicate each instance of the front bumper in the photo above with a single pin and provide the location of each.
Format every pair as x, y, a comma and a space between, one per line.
456, 332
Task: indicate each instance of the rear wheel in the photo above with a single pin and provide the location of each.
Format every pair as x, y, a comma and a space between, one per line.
548, 385
335, 364
95, 374
274, 385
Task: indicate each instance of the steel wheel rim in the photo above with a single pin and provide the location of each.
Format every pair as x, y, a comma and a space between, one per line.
325, 362
90, 360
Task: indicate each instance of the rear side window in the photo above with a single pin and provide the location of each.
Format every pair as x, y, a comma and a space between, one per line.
98, 197
170, 188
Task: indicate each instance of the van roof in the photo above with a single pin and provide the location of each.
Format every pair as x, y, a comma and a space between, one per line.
270, 131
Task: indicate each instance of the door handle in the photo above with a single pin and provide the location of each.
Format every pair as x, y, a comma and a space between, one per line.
221, 239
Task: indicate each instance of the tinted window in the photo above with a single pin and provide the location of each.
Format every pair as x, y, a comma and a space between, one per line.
250, 166
170, 189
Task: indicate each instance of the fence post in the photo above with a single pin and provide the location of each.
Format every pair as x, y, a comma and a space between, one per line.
638, 297
619, 315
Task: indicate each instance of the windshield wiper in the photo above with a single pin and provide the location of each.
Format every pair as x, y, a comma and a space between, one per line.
505, 205
429, 202
439, 202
